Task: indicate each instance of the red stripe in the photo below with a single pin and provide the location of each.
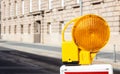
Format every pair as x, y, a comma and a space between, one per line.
86, 72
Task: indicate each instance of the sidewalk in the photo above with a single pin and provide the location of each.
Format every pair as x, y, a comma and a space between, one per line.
38, 49
55, 51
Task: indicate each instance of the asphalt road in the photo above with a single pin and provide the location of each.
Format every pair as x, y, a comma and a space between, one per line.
16, 62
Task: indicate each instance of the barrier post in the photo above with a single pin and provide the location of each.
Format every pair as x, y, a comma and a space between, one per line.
114, 53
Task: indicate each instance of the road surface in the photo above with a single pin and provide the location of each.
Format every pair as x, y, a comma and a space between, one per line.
17, 62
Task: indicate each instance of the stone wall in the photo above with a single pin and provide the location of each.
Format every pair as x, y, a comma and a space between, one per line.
51, 20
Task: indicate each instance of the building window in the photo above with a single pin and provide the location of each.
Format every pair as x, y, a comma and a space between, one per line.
39, 3
30, 5
4, 29
23, 7
29, 28
9, 9
78, 1
61, 26
15, 29
9, 29
49, 28
50, 4
21, 29
62, 3
4, 10
16, 8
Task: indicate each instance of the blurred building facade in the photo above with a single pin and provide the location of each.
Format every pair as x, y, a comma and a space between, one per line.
0, 20
41, 21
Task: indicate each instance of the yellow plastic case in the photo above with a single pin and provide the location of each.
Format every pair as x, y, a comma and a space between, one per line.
90, 33
69, 48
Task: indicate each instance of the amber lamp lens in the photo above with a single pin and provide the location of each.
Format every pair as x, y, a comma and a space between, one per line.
90, 33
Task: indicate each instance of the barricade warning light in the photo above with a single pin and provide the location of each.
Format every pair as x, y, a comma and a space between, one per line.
90, 33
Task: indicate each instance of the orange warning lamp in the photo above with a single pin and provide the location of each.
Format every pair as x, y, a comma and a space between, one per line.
90, 33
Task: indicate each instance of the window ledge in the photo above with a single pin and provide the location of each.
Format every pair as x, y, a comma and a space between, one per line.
96, 2
4, 19
49, 10
15, 17
61, 8
21, 16
28, 14
36, 13
9, 18
75, 6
